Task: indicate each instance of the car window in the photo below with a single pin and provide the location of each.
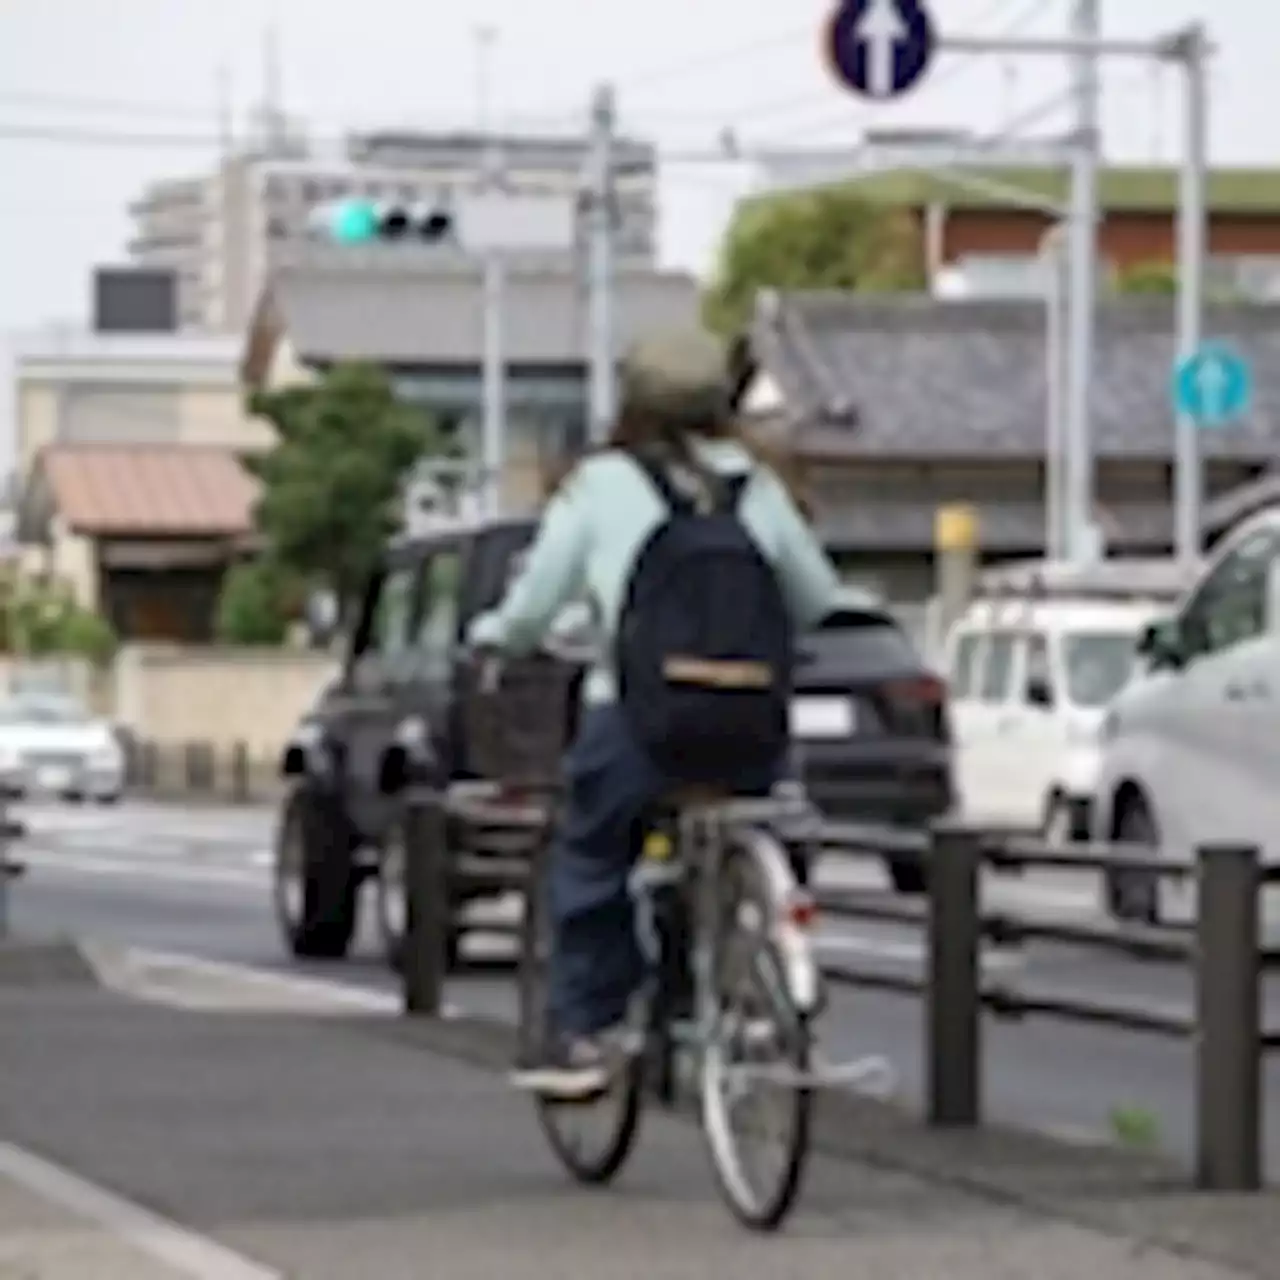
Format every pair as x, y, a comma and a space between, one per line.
995, 682
389, 638
1097, 665
436, 631
1231, 604
964, 665
1038, 670
865, 642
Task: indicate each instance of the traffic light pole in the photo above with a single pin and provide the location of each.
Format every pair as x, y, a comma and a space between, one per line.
601, 211
493, 422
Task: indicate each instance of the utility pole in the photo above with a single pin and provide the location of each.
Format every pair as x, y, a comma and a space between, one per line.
600, 209
1054, 264
1081, 536
1192, 46
493, 425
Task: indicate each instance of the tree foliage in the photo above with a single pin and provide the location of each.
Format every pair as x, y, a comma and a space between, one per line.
258, 602
834, 238
1159, 278
41, 619
331, 484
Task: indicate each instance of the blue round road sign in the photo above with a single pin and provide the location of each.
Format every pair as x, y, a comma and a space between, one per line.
1213, 386
880, 48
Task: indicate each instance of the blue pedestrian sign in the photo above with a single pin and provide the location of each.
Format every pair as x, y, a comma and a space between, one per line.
880, 48
1213, 387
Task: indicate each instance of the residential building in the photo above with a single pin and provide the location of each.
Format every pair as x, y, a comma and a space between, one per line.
973, 229
128, 448
424, 322
891, 407
223, 231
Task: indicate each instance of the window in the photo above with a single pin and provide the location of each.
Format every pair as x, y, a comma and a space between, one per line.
1231, 604
964, 666
436, 631
1037, 680
865, 641
389, 638
1097, 665
997, 671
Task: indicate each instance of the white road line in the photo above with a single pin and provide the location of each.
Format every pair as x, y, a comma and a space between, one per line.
319, 990
902, 951
57, 863
188, 1253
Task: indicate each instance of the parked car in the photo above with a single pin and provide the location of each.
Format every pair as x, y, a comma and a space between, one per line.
50, 744
393, 710
1191, 747
1032, 664
871, 726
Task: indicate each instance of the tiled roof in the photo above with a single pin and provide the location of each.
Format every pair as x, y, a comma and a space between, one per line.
1121, 188
418, 309
920, 377
150, 490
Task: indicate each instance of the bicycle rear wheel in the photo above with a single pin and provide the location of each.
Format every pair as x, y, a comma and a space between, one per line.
759, 1047
591, 1138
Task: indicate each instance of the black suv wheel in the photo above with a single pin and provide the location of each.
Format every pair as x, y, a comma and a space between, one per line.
316, 888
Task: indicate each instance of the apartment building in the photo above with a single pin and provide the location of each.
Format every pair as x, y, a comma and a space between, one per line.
223, 231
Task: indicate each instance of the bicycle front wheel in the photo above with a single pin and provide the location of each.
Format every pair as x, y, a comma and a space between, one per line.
756, 1102
593, 1137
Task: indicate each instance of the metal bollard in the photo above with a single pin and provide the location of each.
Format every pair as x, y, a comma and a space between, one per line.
426, 875
953, 1000
240, 773
1228, 1017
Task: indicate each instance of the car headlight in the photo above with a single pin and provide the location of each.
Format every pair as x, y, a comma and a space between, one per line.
10, 759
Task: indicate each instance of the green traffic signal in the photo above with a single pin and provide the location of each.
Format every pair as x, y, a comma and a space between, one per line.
354, 222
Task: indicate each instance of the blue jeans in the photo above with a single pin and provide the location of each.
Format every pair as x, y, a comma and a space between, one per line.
596, 961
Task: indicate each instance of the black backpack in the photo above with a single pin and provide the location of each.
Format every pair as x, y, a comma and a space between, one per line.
705, 646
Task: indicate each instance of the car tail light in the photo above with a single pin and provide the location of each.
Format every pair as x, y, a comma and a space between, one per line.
918, 705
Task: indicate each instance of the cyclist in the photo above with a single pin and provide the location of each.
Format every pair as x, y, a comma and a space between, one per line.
674, 439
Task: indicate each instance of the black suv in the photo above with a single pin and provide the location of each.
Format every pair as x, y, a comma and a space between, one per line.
871, 727
391, 715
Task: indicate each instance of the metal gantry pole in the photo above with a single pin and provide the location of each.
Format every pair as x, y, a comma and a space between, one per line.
493, 425
1192, 49
1054, 264
1082, 248
601, 343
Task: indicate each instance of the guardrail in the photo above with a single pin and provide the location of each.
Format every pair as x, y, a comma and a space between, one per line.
202, 771
1224, 951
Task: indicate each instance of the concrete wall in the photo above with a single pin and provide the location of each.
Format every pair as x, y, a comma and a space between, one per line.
217, 695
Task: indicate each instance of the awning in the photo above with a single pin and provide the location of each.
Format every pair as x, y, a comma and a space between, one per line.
150, 491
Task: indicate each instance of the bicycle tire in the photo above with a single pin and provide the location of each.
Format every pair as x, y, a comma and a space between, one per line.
601, 1164
767, 865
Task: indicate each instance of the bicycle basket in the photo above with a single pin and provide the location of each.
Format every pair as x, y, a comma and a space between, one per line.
516, 733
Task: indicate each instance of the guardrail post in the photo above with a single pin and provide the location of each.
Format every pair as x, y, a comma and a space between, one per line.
1228, 1017
953, 1002
427, 900
240, 773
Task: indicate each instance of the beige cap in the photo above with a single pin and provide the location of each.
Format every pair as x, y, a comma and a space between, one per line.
680, 372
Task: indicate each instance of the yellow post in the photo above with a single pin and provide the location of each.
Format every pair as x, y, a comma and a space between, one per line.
955, 542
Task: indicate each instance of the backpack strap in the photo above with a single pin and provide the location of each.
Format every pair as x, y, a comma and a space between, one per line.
661, 481
731, 490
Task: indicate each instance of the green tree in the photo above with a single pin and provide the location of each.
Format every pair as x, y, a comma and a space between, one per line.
257, 602
331, 484
829, 239
1159, 278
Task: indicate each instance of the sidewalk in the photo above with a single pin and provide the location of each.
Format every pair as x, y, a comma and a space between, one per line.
319, 1147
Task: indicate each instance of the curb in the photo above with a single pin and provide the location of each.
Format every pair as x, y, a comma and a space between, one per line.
52, 962
1144, 1198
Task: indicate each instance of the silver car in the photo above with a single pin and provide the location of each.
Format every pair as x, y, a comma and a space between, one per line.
51, 745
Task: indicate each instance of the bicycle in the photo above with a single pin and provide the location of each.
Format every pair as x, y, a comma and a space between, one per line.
733, 982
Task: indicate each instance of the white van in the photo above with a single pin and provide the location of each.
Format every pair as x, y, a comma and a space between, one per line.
1031, 667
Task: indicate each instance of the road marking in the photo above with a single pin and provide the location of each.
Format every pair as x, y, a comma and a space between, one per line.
193, 1255
315, 990
912, 952
42, 862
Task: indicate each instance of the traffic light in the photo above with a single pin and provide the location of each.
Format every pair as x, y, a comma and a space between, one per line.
367, 222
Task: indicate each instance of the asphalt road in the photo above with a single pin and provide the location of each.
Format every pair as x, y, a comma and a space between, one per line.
196, 881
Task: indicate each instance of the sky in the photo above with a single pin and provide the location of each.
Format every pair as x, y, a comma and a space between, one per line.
97, 97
